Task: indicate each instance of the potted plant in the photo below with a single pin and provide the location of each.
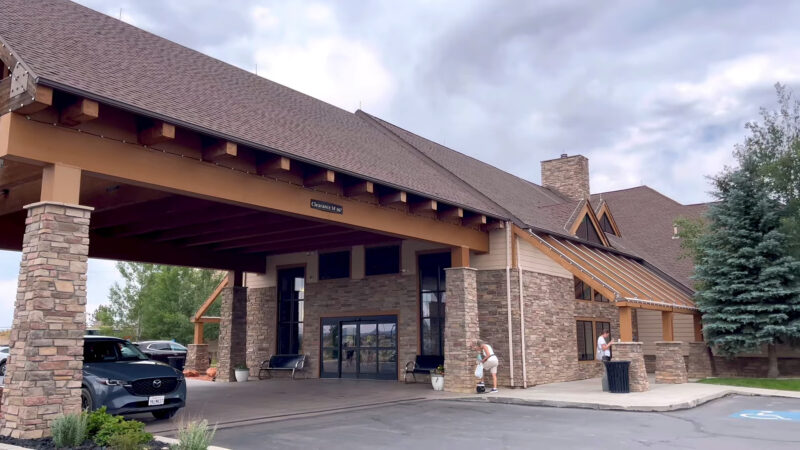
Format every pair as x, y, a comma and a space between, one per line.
437, 378
242, 373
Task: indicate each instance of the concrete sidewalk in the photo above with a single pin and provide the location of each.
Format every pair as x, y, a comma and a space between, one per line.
588, 394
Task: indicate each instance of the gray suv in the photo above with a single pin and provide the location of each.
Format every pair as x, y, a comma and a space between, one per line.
120, 377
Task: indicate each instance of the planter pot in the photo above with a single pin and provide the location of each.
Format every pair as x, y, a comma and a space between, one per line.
242, 375
437, 381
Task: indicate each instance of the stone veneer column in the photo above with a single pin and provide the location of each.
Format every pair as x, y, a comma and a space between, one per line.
232, 332
461, 329
670, 365
261, 313
197, 358
632, 351
45, 366
699, 363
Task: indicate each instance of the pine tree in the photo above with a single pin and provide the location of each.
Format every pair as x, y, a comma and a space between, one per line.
748, 290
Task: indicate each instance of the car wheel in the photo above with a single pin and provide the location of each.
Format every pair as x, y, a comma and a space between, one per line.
87, 403
3, 369
164, 413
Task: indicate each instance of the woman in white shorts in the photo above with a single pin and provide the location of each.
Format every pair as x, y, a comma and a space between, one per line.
489, 361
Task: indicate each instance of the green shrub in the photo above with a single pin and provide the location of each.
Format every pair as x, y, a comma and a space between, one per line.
97, 419
194, 436
127, 441
119, 426
69, 430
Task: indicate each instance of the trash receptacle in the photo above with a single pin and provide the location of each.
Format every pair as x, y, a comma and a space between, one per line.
618, 378
176, 362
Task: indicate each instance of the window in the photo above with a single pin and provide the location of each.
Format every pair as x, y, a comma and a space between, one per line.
598, 297
605, 224
177, 347
291, 295
582, 290
334, 265
588, 331
382, 260
432, 301
587, 232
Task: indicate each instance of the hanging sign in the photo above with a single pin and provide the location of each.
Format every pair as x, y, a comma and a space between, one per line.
327, 207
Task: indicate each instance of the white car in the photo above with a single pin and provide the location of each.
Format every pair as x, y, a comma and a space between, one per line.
3, 358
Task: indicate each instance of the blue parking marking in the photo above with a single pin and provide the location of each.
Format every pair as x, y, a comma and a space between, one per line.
778, 416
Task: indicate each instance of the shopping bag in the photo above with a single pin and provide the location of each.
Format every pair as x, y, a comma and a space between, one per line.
479, 371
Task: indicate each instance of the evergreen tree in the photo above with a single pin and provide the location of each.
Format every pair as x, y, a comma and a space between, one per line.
748, 289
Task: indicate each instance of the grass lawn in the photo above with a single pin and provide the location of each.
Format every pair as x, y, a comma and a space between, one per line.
764, 383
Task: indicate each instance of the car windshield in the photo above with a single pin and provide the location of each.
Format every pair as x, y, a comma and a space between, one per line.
111, 351
177, 347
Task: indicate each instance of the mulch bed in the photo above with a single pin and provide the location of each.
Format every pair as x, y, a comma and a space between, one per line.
47, 444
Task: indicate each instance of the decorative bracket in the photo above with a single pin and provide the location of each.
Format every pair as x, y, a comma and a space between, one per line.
19, 80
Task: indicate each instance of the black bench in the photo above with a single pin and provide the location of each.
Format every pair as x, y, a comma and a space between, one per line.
423, 364
294, 363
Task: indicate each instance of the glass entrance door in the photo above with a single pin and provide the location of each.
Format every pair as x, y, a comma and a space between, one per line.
364, 347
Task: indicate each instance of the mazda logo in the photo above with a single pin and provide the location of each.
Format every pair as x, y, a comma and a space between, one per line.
156, 384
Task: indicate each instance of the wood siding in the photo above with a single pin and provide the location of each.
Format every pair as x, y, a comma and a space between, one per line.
649, 323
533, 260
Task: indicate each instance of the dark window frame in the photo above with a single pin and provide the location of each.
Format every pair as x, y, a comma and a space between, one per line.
371, 270
587, 231
294, 323
333, 274
593, 294
439, 292
595, 327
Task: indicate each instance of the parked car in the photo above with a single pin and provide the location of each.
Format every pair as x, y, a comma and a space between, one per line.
124, 380
163, 350
3, 359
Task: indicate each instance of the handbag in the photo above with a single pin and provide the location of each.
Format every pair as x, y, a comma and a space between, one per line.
479, 371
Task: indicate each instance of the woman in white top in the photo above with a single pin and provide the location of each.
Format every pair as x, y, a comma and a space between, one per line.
489, 361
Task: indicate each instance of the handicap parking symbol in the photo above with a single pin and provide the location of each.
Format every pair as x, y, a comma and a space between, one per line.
779, 416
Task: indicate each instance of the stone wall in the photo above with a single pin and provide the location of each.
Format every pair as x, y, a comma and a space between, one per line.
632, 351
698, 363
197, 358
551, 313
493, 320
373, 296
670, 364
568, 175
232, 332
753, 366
262, 320
44, 368
461, 329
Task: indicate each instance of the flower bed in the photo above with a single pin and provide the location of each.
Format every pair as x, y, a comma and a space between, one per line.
48, 444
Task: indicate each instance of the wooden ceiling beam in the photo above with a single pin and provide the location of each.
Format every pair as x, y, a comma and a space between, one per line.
42, 98
307, 232
304, 245
319, 178
394, 198
248, 234
81, 111
474, 220
220, 150
13, 173
180, 219
360, 189
424, 206
157, 133
451, 212
274, 165
494, 225
222, 225
135, 213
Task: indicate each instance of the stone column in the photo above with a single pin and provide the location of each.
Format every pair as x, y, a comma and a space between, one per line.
261, 317
632, 351
461, 329
197, 358
232, 332
45, 366
670, 365
699, 365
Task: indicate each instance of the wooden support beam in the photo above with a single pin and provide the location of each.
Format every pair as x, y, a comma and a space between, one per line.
79, 112
210, 300
424, 206
220, 150
198, 215
626, 323
198, 333
14, 174
319, 178
235, 278
451, 212
274, 165
222, 225
459, 257
394, 198
264, 244
667, 325
260, 234
158, 133
360, 189
42, 98
208, 319
61, 183
698, 328
495, 225
474, 220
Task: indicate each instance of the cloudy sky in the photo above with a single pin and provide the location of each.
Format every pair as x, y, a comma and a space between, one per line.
652, 92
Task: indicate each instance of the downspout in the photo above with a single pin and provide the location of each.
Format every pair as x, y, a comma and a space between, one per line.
508, 301
522, 320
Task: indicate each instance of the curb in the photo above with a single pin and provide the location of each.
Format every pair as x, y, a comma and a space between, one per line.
167, 440
612, 407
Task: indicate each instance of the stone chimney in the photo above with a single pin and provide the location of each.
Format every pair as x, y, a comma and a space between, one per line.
568, 175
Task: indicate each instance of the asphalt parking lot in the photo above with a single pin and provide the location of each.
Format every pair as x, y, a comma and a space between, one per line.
729, 423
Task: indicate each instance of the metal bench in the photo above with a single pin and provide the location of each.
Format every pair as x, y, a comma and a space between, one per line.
294, 363
423, 364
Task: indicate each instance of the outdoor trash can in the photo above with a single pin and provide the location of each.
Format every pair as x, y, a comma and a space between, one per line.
176, 362
618, 378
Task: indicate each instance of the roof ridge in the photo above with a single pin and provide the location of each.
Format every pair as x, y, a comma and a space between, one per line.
376, 121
